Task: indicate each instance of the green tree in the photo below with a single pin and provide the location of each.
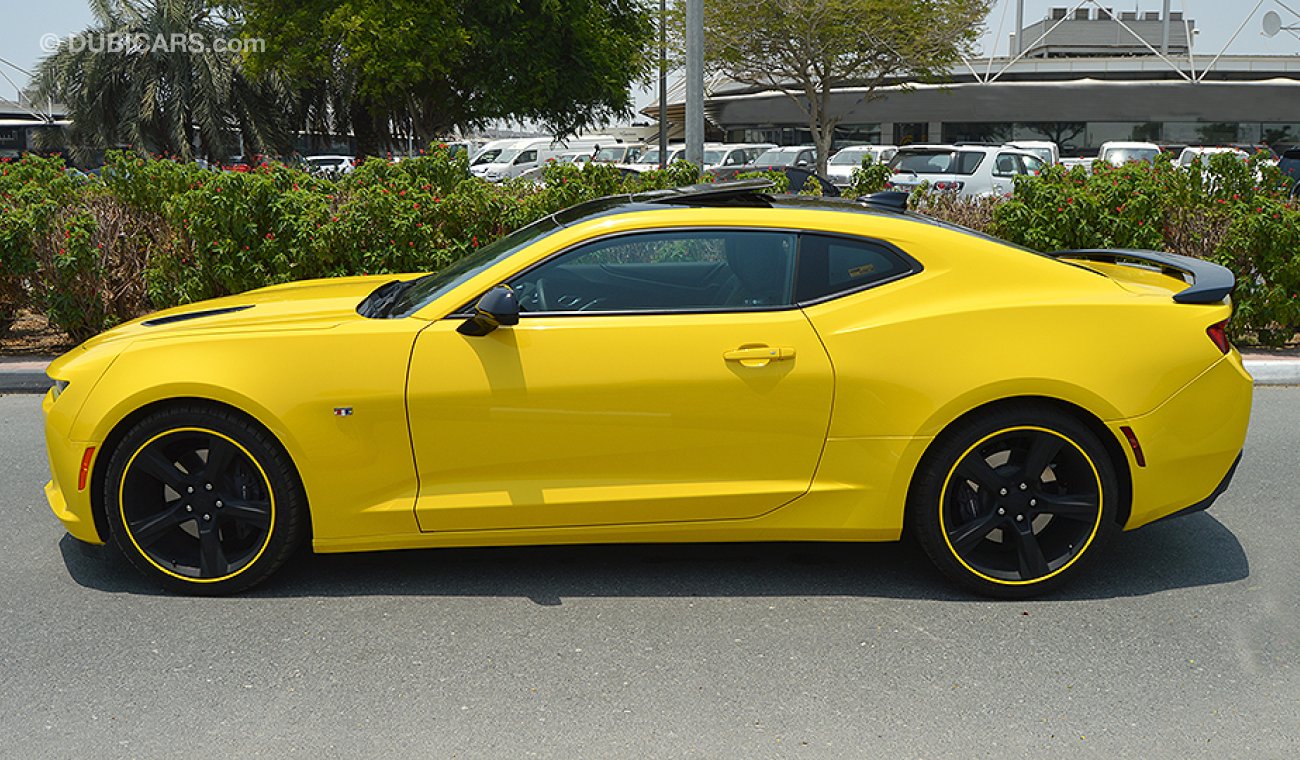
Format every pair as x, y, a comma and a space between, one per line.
808, 48
161, 76
433, 65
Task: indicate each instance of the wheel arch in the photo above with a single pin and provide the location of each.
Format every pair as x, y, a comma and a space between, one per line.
1094, 423
99, 469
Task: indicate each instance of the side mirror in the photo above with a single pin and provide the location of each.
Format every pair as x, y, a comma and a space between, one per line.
801, 162
497, 307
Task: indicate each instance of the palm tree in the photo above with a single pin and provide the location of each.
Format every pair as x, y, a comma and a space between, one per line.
126, 81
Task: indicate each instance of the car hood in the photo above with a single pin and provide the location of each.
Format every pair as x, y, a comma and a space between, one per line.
306, 305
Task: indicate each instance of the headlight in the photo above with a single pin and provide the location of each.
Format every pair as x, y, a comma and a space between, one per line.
58, 387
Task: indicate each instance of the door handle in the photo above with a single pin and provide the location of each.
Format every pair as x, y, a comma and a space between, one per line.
757, 356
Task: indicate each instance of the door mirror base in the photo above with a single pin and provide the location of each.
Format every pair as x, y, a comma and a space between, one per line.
496, 308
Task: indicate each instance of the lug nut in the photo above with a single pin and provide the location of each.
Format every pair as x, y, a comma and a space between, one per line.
189, 508
208, 486
189, 489
1019, 518
1033, 502
1003, 492
207, 517
219, 504
1001, 511
1024, 486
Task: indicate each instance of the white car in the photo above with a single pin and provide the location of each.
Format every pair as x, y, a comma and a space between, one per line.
967, 170
649, 158
842, 165
622, 153
1119, 153
1193, 153
723, 155
331, 164
1047, 150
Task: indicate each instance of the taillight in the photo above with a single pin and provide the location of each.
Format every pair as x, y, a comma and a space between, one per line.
1218, 333
949, 187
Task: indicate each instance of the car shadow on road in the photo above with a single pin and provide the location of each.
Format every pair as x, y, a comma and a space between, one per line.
1193, 551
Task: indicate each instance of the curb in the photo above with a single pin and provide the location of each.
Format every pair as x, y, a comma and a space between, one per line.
27, 375
24, 374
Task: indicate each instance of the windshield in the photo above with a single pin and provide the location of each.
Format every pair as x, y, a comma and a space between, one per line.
1044, 153
649, 157
610, 154
1120, 156
936, 162
487, 156
849, 157
421, 292
714, 156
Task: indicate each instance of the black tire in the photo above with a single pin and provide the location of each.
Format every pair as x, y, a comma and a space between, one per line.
995, 521
200, 527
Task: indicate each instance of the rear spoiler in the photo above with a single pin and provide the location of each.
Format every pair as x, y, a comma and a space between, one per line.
1210, 283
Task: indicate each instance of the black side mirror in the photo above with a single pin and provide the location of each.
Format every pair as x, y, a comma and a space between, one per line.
497, 307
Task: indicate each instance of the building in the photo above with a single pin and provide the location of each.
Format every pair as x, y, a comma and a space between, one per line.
24, 128
1079, 79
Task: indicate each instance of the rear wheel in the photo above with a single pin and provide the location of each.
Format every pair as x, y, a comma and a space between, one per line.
1015, 501
203, 500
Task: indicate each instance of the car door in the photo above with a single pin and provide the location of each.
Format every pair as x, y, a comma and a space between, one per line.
653, 377
1005, 168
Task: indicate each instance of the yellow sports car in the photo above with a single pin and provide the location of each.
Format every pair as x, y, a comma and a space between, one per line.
707, 364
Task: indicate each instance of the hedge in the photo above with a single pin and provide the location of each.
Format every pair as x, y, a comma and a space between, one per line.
90, 252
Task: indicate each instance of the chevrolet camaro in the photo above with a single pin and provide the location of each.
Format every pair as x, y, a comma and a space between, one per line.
706, 364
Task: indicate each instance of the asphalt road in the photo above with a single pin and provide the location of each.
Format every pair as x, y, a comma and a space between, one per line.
1185, 644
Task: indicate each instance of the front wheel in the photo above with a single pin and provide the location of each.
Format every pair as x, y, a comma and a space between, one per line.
1014, 501
203, 500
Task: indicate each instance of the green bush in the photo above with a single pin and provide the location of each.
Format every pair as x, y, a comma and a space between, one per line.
90, 252
868, 178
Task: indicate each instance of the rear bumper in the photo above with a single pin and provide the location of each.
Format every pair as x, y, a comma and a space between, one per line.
1192, 443
1205, 503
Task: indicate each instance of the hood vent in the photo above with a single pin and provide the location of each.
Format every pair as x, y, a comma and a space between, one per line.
194, 315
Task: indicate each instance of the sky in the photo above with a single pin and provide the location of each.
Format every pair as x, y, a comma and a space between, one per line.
23, 23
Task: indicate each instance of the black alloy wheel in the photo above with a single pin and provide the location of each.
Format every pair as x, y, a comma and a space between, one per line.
203, 500
1011, 504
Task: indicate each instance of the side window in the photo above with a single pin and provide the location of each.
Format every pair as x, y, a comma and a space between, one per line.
1032, 165
1007, 165
968, 161
527, 157
831, 266
686, 270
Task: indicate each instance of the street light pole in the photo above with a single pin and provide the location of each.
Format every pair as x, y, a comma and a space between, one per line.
663, 84
695, 81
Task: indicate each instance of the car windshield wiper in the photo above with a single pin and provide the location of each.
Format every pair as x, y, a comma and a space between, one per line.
378, 304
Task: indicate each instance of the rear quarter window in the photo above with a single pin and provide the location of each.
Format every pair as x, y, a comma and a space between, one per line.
830, 266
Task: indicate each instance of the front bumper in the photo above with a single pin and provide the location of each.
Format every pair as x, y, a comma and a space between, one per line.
71, 505
1192, 443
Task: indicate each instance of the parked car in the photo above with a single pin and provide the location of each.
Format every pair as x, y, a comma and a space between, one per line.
1289, 164
1046, 150
796, 162
1119, 153
701, 364
1194, 153
967, 170
331, 164
621, 153
517, 157
722, 155
840, 167
648, 160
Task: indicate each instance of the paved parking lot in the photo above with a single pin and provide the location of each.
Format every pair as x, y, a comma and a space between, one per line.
1185, 644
